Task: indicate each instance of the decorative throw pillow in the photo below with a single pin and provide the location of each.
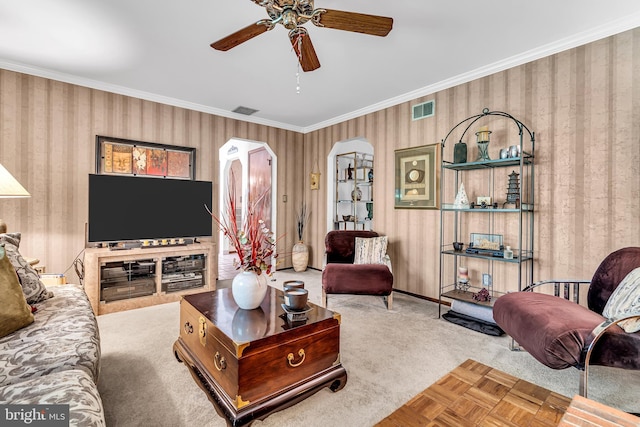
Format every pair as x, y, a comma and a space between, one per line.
625, 301
34, 290
15, 313
370, 250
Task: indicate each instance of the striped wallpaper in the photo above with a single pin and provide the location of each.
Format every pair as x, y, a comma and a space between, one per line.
583, 104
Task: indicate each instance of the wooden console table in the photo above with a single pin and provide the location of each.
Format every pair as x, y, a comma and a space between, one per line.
94, 258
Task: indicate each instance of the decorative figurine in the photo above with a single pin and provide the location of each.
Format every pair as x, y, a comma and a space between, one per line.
356, 195
482, 295
369, 211
513, 190
349, 172
461, 201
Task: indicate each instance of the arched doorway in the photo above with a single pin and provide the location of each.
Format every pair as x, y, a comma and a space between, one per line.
361, 145
254, 166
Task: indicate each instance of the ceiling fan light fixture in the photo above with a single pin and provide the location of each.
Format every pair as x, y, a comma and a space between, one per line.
293, 14
289, 19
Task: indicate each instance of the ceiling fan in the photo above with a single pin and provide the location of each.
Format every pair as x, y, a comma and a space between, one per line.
292, 14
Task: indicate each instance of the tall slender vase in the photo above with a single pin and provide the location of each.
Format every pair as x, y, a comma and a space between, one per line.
249, 289
300, 256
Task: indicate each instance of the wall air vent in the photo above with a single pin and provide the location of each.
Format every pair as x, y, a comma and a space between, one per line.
426, 109
244, 110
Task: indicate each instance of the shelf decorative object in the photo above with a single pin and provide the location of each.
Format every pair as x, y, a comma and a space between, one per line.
356, 195
460, 152
513, 190
482, 139
463, 278
461, 201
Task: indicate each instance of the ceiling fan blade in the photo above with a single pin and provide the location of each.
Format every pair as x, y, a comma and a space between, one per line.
304, 51
241, 36
356, 22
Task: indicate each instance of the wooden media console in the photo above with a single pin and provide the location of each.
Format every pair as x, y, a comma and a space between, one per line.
117, 280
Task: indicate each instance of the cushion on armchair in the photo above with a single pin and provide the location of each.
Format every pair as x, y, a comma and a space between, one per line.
625, 301
613, 269
566, 330
367, 279
339, 245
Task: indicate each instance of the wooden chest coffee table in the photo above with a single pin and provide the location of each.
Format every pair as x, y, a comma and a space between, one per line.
251, 363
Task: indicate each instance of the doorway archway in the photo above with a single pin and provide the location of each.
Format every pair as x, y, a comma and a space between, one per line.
235, 154
359, 144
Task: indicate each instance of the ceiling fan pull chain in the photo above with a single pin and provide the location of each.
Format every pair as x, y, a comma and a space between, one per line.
299, 43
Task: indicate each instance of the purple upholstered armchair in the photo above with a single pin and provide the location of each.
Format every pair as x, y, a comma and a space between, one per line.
342, 276
561, 333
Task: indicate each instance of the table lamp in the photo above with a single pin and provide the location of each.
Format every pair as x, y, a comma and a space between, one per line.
9, 188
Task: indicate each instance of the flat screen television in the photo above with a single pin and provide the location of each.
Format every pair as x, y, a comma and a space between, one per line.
124, 208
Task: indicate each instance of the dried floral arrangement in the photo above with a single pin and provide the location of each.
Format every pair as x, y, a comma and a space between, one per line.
302, 216
254, 243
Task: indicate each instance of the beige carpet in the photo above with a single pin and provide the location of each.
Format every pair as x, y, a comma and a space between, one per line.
390, 356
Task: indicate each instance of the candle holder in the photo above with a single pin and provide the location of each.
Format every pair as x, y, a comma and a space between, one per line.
482, 139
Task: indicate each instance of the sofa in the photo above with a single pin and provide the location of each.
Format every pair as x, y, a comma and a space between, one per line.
53, 355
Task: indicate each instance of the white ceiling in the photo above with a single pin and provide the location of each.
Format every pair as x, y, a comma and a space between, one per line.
159, 50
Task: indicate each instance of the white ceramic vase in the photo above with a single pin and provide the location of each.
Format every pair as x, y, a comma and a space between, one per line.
249, 289
300, 256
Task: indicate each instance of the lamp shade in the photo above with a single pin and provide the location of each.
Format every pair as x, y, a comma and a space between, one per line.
9, 186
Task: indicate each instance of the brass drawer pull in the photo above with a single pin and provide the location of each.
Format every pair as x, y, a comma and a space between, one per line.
290, 357
188, 328
219, 362
202, 331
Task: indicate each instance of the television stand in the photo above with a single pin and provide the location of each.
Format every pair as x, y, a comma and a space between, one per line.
128, 287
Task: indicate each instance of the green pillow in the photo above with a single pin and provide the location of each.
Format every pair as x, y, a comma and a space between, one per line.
15, 313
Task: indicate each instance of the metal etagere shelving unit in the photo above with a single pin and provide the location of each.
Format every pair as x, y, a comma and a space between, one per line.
502, 218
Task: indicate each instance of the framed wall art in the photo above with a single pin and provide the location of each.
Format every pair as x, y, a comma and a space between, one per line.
417, 183
117, 156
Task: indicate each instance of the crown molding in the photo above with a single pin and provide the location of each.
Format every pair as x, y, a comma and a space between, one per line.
615, 27
122, 90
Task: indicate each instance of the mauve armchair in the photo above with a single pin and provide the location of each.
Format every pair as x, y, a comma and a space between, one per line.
560, 333
342, 276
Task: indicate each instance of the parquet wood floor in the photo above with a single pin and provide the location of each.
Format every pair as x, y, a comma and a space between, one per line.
474, 394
